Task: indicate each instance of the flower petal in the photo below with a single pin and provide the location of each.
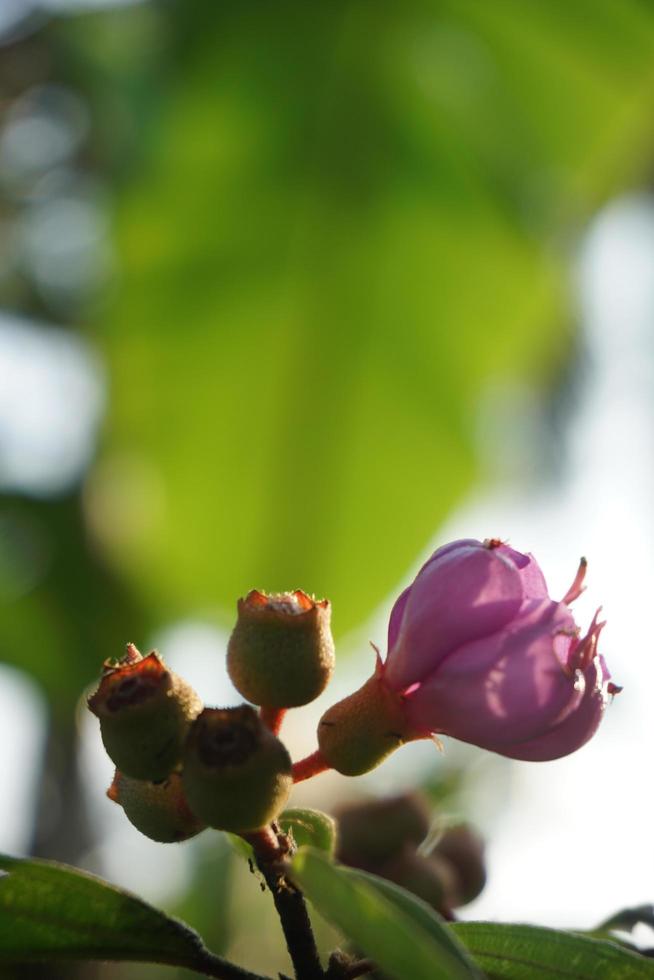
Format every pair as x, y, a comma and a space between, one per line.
505, 688
447, 549
533, 580
577, 728
462, 594
397, 613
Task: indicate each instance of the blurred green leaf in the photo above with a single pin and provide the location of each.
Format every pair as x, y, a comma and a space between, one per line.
50, 911
75, 613
422, 914
312, 828
520, 952
628, 919
346, 227
240, 846
624, 921
210, 887
387, 931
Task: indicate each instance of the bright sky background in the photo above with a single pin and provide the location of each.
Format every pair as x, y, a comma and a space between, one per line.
574, 840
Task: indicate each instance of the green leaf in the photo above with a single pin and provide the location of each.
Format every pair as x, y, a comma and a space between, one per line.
627, 919
50, 911
421, 913
343, 231
399, 943
623, 921
310, 827
240, 846
521, 952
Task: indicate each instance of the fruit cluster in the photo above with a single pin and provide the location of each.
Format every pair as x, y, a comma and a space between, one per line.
180, 766
395, 838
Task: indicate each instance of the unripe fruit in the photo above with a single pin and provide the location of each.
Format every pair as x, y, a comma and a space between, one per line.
281, 652
158, 810
370, 832
236, 773
431, 879
464, 848
145, 712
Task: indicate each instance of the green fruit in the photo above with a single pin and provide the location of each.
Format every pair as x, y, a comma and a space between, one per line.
430, 879
158, 810
281, 652
373, 831
464, 848
236, 773
145, 712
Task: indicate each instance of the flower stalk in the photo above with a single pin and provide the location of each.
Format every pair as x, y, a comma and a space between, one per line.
311, 766
273, 718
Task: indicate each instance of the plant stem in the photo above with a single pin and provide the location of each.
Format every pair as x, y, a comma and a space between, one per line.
313, 765
211, 965
360, 968
345, 967
270, 849
272, 717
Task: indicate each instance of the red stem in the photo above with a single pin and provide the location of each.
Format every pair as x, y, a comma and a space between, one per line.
313, 765
272, 717
265, 844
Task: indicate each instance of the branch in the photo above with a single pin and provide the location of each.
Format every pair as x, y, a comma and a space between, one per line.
345, 967
211, 965
271, 848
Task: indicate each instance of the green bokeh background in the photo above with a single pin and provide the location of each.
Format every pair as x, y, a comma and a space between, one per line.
338, 225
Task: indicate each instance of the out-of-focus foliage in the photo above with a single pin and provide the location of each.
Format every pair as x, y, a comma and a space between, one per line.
403, 935
346, 221
414, 934
310, 827
509, 952
336, 224
74, 616
52, 912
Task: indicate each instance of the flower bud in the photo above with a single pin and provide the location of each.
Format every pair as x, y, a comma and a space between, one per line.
464, 849
145, 712
236, 773
477, 650
281, 652
431, 879
158, 810
383, 837
369, 832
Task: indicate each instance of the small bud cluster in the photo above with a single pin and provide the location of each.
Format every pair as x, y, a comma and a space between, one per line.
387, 836
181, 766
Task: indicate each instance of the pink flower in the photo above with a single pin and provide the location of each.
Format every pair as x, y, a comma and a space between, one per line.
478, 650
